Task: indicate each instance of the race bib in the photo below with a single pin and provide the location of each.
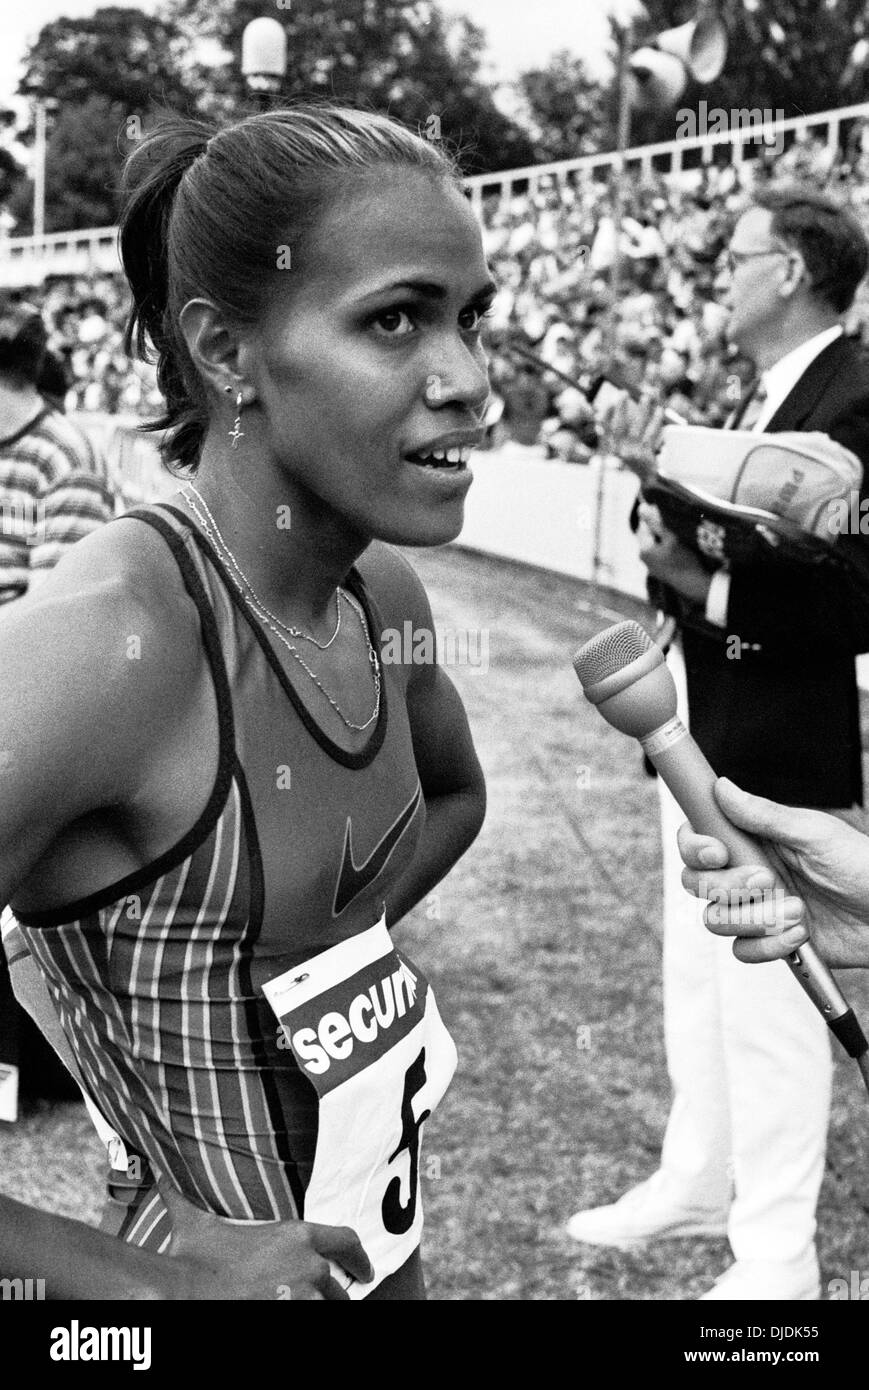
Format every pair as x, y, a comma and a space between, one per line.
364, 1027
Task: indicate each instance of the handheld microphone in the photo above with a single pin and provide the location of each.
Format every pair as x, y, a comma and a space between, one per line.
623, 672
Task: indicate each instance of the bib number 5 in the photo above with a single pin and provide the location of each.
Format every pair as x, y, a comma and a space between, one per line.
398, 1218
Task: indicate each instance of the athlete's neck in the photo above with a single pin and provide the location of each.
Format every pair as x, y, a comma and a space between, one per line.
293, 553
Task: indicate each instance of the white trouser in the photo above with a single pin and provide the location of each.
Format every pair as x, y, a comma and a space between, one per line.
751, 1071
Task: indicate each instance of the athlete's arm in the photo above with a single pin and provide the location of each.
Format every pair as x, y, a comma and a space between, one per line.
452, 783
449, 771
76, 1261
289, 1259
69, 711
93, 669
87, 678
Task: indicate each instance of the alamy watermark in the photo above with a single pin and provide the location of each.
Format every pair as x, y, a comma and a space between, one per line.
423, 646
718, 121
848, 516
765, 903
24, 519
22, 1290
77, 1343
855, 1287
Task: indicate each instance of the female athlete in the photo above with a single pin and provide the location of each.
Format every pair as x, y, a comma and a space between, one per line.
217, 795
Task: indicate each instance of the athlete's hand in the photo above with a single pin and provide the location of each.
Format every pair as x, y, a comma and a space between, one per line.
278, 1260
823, 861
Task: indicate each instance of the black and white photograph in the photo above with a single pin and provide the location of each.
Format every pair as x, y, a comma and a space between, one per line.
434, 669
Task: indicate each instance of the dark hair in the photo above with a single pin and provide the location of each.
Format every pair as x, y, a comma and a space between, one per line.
207, 211
53, 381
23, 339
827, 235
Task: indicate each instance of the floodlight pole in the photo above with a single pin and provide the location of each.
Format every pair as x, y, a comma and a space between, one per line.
39, 154
623, 139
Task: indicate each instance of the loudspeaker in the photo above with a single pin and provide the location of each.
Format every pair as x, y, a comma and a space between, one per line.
700, 44
657, 80
659, 74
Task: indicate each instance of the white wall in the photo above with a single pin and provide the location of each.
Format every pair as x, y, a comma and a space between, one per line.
545, 512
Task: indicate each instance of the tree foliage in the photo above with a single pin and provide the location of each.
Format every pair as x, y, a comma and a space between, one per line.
565, 108
786, 56
10, 173
94, 74
123, 55
86, 148
404, 58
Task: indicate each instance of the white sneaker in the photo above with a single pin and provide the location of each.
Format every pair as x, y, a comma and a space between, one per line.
791, 1281
644, 1214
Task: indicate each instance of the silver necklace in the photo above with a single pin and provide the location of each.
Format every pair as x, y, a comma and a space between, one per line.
256, 607
293, 631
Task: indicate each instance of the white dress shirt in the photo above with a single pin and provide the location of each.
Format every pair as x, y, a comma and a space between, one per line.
778, 382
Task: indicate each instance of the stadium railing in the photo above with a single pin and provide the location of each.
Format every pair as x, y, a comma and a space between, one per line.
27, 260
670, 157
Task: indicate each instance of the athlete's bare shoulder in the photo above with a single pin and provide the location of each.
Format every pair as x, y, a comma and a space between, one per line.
123, 574
127, 555
90, 660
395, 586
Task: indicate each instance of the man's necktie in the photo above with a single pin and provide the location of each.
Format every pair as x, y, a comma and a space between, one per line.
746, 414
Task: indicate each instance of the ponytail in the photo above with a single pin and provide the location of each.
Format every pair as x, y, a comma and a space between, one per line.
152, 176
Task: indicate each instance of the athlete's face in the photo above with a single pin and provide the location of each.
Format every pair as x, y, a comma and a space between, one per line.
373, 353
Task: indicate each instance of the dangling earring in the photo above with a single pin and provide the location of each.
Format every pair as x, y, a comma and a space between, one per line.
237, 433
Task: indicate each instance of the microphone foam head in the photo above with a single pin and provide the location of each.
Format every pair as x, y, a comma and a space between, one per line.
609, 652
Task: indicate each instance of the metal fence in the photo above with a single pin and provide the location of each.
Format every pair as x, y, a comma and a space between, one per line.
27, 260
671, 157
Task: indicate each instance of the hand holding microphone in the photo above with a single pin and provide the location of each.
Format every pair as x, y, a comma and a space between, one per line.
821, 858
624, 674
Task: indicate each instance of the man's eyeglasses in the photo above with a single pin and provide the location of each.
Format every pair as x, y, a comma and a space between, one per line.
732, 260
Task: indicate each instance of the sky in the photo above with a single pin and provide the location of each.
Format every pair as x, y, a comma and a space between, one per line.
520, 33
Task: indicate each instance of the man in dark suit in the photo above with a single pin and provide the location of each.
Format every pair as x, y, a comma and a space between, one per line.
777, 712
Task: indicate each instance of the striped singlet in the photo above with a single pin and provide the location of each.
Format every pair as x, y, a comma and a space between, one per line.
158, 979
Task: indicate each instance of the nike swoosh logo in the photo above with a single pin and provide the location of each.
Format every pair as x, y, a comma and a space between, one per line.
355, 878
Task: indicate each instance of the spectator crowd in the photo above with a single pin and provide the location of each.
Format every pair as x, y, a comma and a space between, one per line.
93, 374
552, 250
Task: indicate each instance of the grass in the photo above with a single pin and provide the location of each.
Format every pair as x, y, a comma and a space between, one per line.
549, 926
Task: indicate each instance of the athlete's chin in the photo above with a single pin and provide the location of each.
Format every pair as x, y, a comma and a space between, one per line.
424, 527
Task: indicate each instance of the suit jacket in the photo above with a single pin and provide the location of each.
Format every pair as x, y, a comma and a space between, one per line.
782, 718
